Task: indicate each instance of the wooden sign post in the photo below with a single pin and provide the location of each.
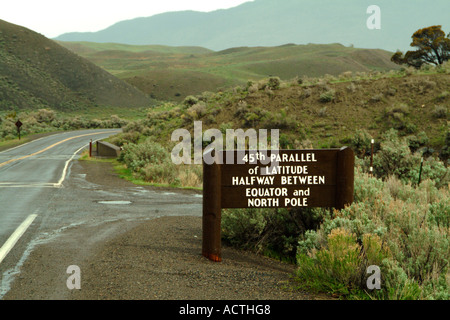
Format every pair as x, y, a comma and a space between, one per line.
273, 179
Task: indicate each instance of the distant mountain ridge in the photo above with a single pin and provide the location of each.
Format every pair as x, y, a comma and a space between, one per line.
36, 72
277, 22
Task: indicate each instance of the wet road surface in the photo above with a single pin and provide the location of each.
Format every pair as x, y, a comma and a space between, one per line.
42, 197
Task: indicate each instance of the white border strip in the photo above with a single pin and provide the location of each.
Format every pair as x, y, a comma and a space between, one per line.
63, 176
11, 242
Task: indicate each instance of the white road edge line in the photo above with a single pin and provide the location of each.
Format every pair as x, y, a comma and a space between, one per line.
11, 242
63, 176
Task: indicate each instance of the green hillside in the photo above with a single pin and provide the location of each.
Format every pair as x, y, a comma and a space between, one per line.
323, 112
172, 73
36, 72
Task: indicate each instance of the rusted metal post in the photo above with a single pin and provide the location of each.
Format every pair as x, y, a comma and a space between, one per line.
212, 212
345, 177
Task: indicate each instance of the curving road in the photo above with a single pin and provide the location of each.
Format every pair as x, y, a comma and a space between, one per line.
29, 173
44, 193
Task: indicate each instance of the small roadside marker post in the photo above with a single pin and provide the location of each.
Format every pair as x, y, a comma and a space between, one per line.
18, 125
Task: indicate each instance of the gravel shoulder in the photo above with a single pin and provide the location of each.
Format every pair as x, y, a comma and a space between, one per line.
161, 259
154, 259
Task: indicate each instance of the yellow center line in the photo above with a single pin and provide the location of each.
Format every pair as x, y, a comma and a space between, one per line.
49, 147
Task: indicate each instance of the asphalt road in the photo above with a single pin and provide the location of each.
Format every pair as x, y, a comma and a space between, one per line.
29, 174
41, 198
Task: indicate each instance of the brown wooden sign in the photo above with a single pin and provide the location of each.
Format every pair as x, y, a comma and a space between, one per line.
273, 179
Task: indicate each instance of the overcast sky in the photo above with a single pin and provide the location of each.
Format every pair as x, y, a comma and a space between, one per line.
54, 17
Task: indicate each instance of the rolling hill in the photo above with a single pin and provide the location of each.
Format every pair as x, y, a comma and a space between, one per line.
172, 73
36, 72
276, 22
322, 112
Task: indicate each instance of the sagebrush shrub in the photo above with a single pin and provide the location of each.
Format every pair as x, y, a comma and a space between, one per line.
361, 142
197, 111
253, 88
339, 266
274, 83
396, 158
401, 228
307, 93
440, 112
163, 173
189, 101
278, 120
124, 138
327, 96
144, 155
44, 115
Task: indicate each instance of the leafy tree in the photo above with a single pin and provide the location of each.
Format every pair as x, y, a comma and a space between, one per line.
432, 47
